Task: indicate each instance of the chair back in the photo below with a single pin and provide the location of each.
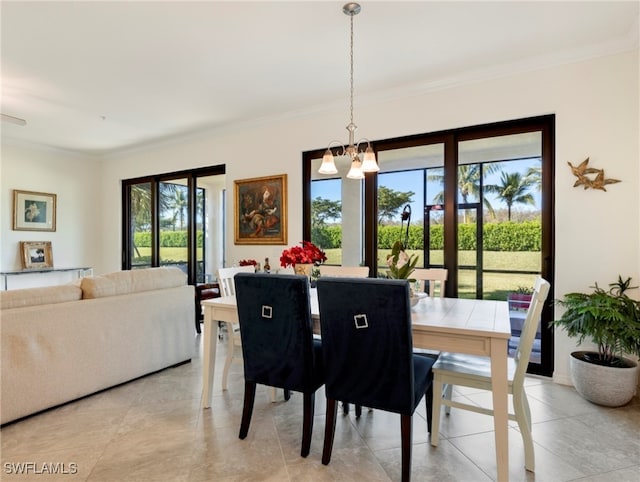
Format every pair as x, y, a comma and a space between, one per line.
529, 328
344, 271
225, 278
277, 331
366, 342
433, 276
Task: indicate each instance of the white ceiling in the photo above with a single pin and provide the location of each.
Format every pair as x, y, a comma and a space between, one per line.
100, 77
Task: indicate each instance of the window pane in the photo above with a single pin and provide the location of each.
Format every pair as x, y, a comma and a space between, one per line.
413, 177
399, 192
140, 226
174, 221
510, 188
337, 216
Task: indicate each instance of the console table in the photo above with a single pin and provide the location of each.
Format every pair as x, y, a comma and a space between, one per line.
81, 272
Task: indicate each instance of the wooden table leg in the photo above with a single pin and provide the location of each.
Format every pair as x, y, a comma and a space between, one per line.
500, 406
208, 356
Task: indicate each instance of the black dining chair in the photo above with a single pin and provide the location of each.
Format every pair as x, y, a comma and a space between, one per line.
368, 354
278, 346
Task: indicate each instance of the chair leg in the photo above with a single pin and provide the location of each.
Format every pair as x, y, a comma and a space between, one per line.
247, 410
448, 393
229, 359
307, 423
345, 409
429, 403
436, 387
329, 430
405, 430
358, 411
523, 417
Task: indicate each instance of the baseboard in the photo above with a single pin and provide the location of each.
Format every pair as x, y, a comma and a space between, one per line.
562, 380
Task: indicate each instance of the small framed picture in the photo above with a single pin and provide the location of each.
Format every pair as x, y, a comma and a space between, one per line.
36, 254
261, 210
34, 211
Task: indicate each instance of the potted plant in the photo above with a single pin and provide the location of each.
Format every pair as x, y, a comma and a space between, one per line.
612, 321
400, 264
303, 258
520, 299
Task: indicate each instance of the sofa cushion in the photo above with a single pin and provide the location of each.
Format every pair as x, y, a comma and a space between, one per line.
39, 296
157, 279
102, 286
134, 281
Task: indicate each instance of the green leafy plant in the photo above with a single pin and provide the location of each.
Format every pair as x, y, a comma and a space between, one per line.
524, 290
609, 317
400, 264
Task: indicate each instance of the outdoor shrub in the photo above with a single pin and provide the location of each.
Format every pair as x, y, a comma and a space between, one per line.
168, 239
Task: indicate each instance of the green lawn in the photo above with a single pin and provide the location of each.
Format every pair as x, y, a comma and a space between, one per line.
173, 254
496, 285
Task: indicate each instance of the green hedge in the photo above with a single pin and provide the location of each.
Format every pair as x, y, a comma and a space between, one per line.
168, 239
328, 237
507, 236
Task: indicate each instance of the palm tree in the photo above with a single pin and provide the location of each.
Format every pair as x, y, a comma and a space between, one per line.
513, 188
468, 184
535, 174
179, 204
140, 199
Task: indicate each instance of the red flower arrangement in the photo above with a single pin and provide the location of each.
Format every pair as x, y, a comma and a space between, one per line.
308, 253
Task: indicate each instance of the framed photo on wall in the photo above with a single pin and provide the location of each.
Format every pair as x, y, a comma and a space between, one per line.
36, 254
260, 207
34, 211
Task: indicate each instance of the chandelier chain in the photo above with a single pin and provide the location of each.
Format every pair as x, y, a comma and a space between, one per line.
351, 74
359, 165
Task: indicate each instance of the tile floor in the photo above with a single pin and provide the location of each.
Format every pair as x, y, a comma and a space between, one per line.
153, 429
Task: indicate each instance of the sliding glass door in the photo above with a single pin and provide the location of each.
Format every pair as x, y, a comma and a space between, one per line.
481, 205
175, 220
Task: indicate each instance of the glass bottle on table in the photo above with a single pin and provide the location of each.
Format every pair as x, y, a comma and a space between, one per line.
267, 266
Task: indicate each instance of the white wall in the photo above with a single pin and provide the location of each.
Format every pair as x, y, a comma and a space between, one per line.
79, 228
596, 106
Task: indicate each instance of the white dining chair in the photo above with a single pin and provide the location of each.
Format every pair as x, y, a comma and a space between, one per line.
344, 271
234, 343
475, 372
435, 276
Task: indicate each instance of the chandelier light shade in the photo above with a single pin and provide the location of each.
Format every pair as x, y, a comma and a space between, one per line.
328, 165
368, 161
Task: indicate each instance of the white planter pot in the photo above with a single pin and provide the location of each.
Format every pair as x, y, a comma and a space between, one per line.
602, 385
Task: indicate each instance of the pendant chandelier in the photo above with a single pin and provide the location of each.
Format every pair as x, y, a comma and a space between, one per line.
368, 162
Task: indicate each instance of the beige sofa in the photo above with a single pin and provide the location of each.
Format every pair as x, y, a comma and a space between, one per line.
60, 343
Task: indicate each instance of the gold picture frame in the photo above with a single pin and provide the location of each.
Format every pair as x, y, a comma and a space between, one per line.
36, 254
260, 207
34, 211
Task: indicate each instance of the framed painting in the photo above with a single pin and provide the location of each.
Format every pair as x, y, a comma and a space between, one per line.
34, 211
36, 254
261, 210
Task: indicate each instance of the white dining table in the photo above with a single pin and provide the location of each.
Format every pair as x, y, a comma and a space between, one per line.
476, 327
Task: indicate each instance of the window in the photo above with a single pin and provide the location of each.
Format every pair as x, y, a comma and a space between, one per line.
481, 202
175, 220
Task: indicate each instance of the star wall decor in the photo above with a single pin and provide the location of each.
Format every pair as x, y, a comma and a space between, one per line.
585, 176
